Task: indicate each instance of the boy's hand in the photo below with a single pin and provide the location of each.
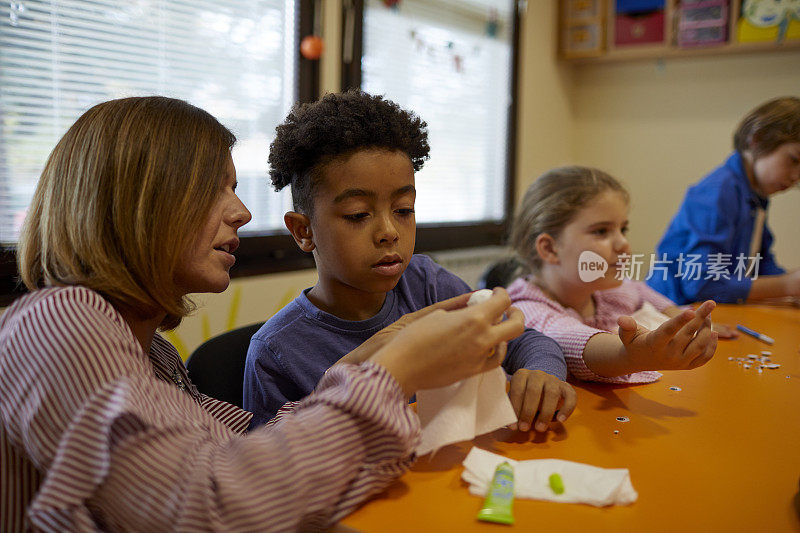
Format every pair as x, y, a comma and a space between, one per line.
534, 391
377, 341
681, 343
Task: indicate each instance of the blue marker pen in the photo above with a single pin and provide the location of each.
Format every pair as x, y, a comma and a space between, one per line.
757, 335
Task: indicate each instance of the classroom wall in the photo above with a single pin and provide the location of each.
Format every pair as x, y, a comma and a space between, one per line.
545, 120
661, 125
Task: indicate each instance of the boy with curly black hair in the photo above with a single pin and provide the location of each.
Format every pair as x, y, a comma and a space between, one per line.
350, 159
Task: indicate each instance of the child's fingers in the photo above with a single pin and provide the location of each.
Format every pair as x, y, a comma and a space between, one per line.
627, 323
516, 391
531, 398
668, 329
707, 354
724, 331
700, 321
551, 395
705, 308
627, 329
570, 400
703, 312
698, 345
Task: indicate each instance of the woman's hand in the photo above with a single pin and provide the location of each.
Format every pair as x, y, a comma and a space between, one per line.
442, 347
369, 347
534, 393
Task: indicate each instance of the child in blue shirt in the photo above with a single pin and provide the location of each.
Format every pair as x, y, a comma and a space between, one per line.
350, 160
718, 245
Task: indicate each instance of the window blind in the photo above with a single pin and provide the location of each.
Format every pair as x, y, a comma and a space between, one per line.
236, 59
450, 62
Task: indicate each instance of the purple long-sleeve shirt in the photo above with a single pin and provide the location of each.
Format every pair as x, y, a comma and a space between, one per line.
291, 352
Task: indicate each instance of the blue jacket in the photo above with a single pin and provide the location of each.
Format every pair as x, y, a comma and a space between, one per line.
716, 217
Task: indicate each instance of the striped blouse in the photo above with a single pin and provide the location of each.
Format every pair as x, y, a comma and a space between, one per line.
97, 434
572, 332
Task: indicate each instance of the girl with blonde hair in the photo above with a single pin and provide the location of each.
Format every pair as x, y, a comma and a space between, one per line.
570, 232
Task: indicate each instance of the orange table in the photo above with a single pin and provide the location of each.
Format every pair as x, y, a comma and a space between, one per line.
722, 454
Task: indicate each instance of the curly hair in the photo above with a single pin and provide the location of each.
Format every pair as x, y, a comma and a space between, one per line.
338, 125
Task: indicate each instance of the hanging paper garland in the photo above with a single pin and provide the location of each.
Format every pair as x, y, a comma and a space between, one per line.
492, 23
449, 51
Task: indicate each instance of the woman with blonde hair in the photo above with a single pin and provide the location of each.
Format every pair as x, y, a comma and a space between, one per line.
100, 425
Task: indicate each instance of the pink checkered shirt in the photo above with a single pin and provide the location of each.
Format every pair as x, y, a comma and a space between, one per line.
572, 331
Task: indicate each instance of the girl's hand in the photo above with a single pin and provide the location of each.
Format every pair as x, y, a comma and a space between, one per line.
681, 343
534, 393
792, 279
443, 347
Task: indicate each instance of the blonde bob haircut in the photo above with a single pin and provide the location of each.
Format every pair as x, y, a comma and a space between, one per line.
551, 202
120, 200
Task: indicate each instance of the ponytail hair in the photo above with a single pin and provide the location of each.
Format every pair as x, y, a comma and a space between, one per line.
551, 202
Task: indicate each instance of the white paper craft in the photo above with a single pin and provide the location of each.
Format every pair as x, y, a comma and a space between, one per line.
649, 317
463, 410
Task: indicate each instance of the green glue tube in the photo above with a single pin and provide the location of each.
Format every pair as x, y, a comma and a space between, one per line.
499, 497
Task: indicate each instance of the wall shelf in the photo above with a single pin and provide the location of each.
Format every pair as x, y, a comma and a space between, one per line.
604, 50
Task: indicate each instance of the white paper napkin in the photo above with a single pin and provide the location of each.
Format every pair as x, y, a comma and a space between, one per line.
649, 317
582, 483
461, 411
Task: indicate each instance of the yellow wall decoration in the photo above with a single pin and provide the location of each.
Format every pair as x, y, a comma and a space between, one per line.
247, 301
768, 21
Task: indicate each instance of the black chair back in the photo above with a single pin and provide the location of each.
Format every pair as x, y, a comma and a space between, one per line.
216, 367
500, 273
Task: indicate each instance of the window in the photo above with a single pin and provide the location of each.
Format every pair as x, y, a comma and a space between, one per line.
452, 62
237, 59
